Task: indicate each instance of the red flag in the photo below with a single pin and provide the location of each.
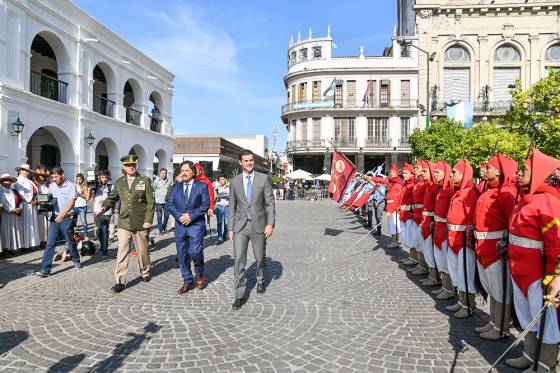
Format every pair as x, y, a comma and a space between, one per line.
363, 199
353, 196
342, 171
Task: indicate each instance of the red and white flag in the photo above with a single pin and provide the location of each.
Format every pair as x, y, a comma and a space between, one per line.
342, 171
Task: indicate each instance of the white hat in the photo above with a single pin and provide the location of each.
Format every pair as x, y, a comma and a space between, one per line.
7, 177
24, 167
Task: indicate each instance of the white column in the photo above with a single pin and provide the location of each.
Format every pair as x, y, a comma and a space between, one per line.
361, 130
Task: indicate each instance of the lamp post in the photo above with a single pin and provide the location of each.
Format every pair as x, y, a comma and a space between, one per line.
17, 126
429, 58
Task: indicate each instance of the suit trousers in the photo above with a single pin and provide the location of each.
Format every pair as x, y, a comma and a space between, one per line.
240, 245
142, 250
190, 249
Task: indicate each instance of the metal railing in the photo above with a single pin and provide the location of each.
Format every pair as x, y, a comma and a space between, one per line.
48, 87
103, 105
133, 116
378, 143
155, 124
335, 104
403, 142
480, 107
345, 143
306, 144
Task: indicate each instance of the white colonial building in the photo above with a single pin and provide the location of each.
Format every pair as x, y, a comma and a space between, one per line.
85, 96
482, 47
365, 106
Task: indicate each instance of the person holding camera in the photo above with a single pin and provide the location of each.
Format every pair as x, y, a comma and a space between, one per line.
10, 231
42, 182
64, 196
100, 193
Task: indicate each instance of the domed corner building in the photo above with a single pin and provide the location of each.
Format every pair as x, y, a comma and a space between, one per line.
84, 95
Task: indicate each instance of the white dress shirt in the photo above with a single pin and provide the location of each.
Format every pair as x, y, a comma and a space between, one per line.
190, 184
246, 179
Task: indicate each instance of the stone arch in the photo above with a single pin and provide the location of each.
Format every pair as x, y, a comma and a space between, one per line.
107, 156
504, 70
51, 146
550, 56
155, 107
143, 162
457, 76
161, 161
58, 47
104, 89
132, 101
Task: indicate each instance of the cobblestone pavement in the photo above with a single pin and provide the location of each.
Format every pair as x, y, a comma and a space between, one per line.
328, 308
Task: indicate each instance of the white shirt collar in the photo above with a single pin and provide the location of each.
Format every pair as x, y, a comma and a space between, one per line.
246, 174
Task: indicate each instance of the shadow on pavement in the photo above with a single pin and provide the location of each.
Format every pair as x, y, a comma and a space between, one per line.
67, 364
274, 271
11, 339
122, 350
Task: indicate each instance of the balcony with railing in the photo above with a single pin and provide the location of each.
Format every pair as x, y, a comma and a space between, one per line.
133, 116
345, 143
307, 144
48, 87
348, 105
103, 105
403, 142
479, 107
155, 124
381, 142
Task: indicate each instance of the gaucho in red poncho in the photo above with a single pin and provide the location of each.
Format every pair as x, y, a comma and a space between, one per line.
534, 248
460, 226
405, 214
491, 217
417, 208
432, 188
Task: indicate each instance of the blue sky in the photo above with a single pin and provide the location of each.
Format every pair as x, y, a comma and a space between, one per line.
229, 57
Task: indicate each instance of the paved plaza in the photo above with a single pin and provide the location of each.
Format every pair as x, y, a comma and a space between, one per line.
328, 308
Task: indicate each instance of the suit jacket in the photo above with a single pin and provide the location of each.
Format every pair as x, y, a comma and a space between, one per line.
137, 203
197, 206
261, 207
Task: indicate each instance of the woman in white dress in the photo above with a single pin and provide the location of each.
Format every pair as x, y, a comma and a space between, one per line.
10, 229
42, 182
28, 191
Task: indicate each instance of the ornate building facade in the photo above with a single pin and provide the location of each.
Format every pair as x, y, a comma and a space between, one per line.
365, 106
482, 47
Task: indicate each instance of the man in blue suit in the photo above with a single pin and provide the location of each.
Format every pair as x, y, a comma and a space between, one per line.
188, 201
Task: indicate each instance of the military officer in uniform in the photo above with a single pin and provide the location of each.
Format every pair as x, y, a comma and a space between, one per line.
136, 214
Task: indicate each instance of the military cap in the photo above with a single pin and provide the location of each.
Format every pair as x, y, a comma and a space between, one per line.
129, 159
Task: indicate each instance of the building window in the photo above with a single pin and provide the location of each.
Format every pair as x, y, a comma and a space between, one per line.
293, 93
303, 54
293, 129
338, 94
337, 129
405, 94
552, 58
351, 130
405, 50
507, 69
405, 129
316, 128
370, 130
350, 93
380, 130
456, 75
370, 97
385, 93
316, 91
293, 56
304, 129
316, 52
302, 92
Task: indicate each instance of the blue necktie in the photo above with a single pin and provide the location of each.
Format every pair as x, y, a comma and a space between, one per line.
249, 189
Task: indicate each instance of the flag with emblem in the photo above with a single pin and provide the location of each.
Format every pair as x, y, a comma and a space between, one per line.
342, 171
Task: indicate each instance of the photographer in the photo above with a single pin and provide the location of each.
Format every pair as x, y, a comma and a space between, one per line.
100, 193
10, 230
42, 182
64, 196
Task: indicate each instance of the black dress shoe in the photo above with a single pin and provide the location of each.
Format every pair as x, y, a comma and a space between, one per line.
237, 304
147, 278
117, 288
261, 288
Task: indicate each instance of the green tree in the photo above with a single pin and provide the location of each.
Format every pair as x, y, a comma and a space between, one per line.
439, 141
534, 113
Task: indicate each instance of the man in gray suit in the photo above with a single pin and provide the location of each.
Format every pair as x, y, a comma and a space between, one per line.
251, 218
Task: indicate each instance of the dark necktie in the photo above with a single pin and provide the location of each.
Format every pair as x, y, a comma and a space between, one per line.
187, 192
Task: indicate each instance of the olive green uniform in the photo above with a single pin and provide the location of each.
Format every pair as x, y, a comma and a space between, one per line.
137, 203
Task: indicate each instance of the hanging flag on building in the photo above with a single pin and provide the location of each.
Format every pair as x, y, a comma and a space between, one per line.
330, 89
342, 171
368, 93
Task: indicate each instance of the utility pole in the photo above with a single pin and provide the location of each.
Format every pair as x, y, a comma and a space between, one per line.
275, 133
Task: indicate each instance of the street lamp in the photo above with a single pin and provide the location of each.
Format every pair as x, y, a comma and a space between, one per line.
90, 140
17, 126
429, 58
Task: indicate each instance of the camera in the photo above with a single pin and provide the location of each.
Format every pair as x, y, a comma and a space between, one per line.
46, 203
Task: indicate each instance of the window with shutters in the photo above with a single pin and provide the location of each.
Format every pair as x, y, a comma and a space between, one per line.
370, 97
293, 130
405, 94
456, 74
288, 96
303, 54
350, 93
507, 69
384, 93
370, 129
381, 130
316, 91
351, 130
316, 52
405, 129
337, 129
293, 93
338, 94
316, 128
302, 92
304, 129
552, 58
